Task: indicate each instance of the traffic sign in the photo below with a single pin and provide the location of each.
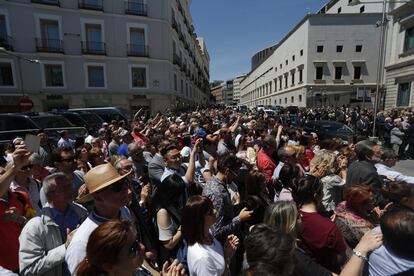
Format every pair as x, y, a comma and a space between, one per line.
25, 104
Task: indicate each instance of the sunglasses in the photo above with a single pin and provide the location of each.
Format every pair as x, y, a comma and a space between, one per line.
118, 186
135, 248
27, 168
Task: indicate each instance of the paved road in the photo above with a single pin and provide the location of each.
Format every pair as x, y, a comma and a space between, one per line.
405, 167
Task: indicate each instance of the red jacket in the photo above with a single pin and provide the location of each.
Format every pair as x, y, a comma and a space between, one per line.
266, 165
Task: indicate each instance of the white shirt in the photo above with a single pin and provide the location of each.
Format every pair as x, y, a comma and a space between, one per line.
388, 172
76, 251
206, 260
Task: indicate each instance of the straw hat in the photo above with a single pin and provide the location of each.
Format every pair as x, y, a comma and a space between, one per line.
99, 178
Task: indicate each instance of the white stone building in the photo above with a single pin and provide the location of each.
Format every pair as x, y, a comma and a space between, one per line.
323, 61
125, 53
236, 88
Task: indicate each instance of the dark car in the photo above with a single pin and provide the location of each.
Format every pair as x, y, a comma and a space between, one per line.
106, 113
14, 125
330, 130
86, 119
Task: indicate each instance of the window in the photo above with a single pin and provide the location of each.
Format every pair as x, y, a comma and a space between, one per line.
182, 86
300, 75
339, 10
292, 99
285, 100
53, 75
301, 52
358, 48
137, 40
6, 74
93, 36
339, 48
95, 76
280, 66
293, 78
319, 49
280, 101
49, 34
286, 80
3, 29
139, 77
357, 72
361, 9
270, 87
409, 39
338, 72
286, 62
403, 97
275, 80
280, 83
300, 98
293, 58
175, 83
319, 72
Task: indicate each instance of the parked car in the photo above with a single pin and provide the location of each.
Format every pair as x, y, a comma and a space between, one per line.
14, 125
270, 112
330, 130
86, 119
107, 114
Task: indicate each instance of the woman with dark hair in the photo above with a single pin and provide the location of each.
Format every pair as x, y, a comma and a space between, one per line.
354, 215
399, 193
167, 209
114, 248
96, 157
287, 176
320, 237
206, 255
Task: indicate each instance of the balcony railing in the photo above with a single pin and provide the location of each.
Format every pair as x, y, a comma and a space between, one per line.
47, 2
91, 5
136, 8
176, 59
136, 50
49, 45
6, 42
93, 48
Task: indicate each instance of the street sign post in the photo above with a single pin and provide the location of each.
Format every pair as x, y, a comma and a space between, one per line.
25, 104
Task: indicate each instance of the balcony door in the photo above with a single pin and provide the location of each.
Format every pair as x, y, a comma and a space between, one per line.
94, 37
49, 31
137, 40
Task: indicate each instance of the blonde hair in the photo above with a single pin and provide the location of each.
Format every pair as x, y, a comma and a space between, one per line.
299, 149
324, 158
282, 216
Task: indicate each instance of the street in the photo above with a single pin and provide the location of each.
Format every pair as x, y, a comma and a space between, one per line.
406, 167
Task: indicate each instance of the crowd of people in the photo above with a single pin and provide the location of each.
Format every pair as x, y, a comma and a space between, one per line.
211, 192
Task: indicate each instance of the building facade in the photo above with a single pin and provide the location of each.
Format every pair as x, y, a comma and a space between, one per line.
323, 61
400, 67
86, 53
236, 88
217, 93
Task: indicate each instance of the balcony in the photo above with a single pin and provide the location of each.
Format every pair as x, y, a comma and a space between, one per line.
174, 24
176, 59
49, 45
135, 50
7, 43
95, 5
47, 2
136, 8
184, 68
93, 48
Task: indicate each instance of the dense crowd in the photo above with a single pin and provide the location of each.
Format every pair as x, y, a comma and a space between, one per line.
212, 192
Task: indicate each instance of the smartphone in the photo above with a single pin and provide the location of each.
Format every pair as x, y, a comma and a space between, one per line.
32, 143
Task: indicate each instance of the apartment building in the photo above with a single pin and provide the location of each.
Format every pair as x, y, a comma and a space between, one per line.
236, 88
85, 53
399, 80
323, 61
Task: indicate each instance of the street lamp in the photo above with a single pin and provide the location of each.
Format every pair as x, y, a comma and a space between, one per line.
19, 58
380, 66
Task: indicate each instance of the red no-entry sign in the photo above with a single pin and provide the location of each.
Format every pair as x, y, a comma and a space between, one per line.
25, 104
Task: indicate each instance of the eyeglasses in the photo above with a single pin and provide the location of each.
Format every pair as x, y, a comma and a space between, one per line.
118, 186
68, 160
135, 248
27, 167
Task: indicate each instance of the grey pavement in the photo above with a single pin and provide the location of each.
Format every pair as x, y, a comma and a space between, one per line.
406, 167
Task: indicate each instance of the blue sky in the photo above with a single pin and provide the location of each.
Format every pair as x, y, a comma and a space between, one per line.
235, 29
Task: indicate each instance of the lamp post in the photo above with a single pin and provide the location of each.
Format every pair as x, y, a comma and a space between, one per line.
381, 47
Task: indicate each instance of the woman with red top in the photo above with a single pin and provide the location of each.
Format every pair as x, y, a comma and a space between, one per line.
320, 237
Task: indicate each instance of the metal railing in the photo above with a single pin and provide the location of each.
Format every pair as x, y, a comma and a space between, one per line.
136, 8
47, 2
93, 48
91, 5
176, 59
137, 50
49, 45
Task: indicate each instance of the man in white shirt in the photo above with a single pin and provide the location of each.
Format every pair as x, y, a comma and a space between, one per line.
109, 191
389, 159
